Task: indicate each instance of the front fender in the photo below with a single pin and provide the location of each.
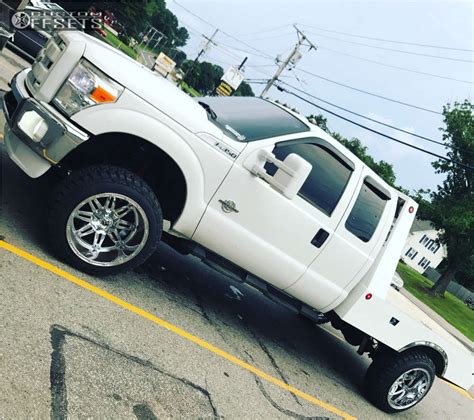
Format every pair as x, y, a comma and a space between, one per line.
109, 118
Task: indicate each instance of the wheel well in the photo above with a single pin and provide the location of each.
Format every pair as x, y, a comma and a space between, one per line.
439, 360
145, 159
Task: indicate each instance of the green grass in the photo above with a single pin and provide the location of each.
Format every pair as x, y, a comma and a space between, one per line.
189, 90
450, 307
115, 42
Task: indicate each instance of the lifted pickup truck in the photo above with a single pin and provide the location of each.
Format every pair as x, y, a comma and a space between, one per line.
251, 187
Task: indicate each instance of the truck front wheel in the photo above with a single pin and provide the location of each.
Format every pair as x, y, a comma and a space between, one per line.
104, 219
397, 382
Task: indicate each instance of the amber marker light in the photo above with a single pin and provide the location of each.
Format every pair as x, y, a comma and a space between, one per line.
100, 95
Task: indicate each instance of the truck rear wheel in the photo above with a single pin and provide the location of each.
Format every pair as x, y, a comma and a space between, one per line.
397, 382
104, 220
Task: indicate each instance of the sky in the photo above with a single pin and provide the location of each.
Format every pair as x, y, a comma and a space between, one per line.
266, 25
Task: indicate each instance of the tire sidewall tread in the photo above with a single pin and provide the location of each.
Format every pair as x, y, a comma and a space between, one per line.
98, 179
387, 368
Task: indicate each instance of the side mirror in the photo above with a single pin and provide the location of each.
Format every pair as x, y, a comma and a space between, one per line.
290, 176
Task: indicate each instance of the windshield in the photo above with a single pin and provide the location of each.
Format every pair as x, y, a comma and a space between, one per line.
249, 118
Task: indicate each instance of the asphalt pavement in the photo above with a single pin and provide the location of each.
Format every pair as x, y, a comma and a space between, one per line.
172, 338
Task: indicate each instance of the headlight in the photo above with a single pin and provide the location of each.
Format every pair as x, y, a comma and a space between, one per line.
85, 87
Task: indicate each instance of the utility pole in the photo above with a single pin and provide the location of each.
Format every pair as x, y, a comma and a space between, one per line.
203, 50
242, 63
292, 59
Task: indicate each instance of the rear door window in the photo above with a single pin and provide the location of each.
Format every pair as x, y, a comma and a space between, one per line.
367, 211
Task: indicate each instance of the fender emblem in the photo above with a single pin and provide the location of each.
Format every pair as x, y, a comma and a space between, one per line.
228, 206
227, 150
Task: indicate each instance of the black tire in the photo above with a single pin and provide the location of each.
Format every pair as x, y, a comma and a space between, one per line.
387, 368
96, 180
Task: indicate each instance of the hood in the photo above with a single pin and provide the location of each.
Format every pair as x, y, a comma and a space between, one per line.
150, 86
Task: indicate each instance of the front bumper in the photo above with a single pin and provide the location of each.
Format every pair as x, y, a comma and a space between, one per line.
40, 139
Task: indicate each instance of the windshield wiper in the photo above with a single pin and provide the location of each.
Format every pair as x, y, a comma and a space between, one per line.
208, 109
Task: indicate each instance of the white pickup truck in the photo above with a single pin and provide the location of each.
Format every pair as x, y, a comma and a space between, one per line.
249, 186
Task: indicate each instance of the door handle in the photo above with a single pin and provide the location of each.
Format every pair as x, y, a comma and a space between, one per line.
320, 238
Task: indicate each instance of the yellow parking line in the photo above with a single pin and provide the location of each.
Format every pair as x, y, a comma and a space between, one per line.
170, 327
458, 389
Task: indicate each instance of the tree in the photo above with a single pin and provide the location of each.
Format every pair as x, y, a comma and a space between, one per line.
133, 14
381, 168
451, 208
166, 22
244, 90
320, 121
178, 57
203, 77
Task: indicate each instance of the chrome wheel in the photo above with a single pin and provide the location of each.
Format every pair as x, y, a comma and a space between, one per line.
409, 388
107, 229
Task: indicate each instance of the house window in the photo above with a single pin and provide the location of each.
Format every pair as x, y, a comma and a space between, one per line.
422, 238
433, 246
411, 253
429, 244
414, 255
422, 261
436, 249
425, 264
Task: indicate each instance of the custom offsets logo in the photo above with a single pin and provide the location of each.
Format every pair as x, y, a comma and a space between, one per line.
21, 20
57, 19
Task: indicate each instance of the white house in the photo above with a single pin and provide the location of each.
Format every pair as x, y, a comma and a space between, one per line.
421, 250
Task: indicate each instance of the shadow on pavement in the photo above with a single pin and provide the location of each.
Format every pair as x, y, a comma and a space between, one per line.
249, 313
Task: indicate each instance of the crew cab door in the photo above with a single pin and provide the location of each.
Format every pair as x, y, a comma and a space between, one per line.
275, 238
351, 251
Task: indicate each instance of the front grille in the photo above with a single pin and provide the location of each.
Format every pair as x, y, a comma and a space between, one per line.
45, 61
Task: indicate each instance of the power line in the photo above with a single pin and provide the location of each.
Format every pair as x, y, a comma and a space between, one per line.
223, 32
390, 40
271, 37
191, 28
265, 30
369, 93
220, 45
228, 52
371, 119
219, 61
229, 48
267, 56
439, 57
394, 67
209, 41
260, 65
293, 58
246, 51
255, 80
420, 149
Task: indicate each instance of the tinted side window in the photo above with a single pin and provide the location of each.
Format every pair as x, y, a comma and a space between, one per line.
366, 213
328, 178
